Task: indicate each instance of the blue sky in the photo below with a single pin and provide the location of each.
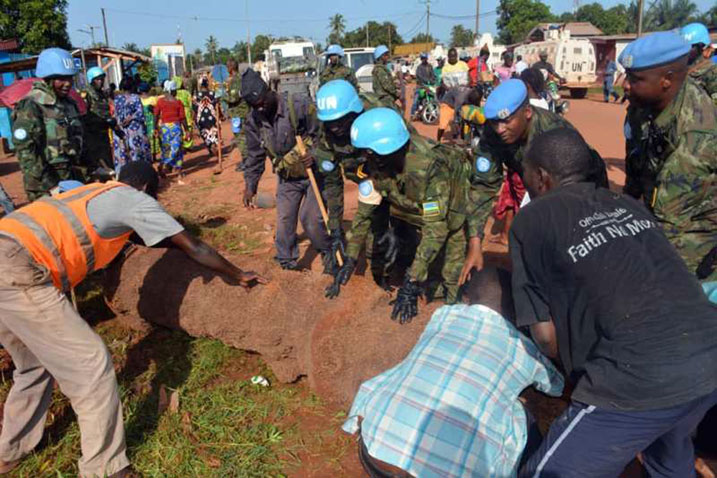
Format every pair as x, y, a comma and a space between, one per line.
161, 21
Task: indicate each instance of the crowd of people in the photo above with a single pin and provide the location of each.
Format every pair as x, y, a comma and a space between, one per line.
608, 295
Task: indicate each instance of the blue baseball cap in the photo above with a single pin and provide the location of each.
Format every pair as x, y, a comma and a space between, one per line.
506, 99
654, 50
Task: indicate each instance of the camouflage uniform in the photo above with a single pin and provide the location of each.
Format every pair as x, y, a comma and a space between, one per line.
47, 132
493, 155
96, 124
671, 164
429, 197
238, 108
338, 72
705, 75
383, 86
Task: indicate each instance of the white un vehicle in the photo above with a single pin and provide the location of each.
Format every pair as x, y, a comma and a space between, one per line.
572, 58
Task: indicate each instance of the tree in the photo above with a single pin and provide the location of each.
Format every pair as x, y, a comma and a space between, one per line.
461, 36
135, 48
223, 55
666, 15
212, 46
423, 38
517, 17
261, 43
709, 17
378, 34
148, 72
610, 21
337, 27
239, 51
37, 24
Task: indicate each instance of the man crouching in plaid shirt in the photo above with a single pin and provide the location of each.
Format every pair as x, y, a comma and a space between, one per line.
451, 408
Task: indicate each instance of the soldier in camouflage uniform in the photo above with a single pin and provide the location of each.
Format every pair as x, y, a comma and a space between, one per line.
339, 104
426, 186
237, 110
702, 69
47, 130
383, 85
335, 70
98, 121
671, 140
512, 126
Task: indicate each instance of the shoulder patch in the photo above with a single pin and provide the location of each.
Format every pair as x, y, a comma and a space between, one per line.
20, 134
368, 194
327, 165
483, 164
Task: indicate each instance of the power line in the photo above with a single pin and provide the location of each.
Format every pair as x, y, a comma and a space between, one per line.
464, 17
414, 28
243, 20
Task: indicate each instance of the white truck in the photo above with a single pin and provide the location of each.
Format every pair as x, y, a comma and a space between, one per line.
572, 58
360, 60
290, 66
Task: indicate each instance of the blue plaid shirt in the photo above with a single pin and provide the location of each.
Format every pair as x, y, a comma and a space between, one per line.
451, 408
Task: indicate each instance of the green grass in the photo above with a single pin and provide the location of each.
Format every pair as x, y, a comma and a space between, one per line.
223, 428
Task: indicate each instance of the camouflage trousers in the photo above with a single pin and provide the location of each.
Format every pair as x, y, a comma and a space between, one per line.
444, 272
239, 142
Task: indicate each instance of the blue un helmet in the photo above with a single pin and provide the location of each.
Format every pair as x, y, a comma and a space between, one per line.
335, 50
95, 72
55, 62
379, 51
382, 130
336, 99
696, 33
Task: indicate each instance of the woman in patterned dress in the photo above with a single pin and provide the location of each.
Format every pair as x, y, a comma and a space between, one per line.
129, 113
207, 114
148, 103
171, 123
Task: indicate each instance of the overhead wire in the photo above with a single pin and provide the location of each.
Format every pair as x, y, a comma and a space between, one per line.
414, 28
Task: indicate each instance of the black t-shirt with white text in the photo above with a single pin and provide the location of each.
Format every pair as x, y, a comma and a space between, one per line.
634, 329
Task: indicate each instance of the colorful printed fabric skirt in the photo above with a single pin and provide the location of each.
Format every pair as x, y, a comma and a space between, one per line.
170, 136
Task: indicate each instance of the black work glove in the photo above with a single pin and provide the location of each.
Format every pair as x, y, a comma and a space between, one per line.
390, 239
405, 306
120, 134
342, 277
112, 123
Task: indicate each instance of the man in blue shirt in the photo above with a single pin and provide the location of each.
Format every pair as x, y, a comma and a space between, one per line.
608, 84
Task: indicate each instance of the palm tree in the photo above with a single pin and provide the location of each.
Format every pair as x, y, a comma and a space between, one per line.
337, 25
666, 14
212, 47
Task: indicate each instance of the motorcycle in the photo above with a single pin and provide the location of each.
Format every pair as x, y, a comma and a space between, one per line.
428, 109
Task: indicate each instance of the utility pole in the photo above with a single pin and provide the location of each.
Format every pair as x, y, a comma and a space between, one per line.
428, 18
389, 37
367, 35
477, 19
90, 31
104, 23
248, 31
640, 5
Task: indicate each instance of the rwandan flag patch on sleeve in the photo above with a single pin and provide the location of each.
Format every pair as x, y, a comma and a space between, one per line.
431, 209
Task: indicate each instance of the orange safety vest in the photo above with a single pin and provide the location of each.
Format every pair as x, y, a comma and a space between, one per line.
59, 235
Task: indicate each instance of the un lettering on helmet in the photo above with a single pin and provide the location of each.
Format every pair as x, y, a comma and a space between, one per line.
327, 103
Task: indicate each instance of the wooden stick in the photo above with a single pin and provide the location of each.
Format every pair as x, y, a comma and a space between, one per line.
317, 193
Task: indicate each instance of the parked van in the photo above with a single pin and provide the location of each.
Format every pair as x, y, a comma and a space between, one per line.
572, 58
290, 66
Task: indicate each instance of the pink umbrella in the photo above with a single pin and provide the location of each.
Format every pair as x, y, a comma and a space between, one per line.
17, 91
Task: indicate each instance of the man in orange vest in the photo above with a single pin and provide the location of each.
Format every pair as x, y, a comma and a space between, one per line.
46, 248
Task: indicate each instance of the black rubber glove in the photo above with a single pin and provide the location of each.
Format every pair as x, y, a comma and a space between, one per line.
390, 240
405, 306
120, 134
337, 244
342, 277
112, 123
